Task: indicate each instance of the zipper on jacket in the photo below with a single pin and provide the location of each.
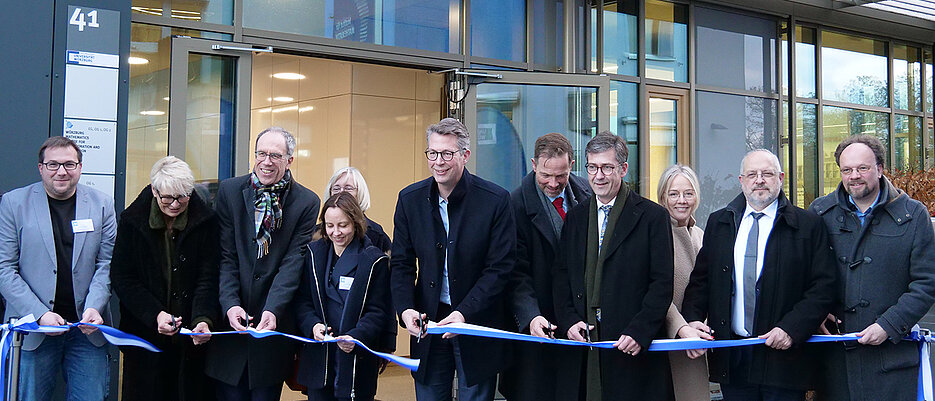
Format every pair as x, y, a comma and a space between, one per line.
362, 306
324, 318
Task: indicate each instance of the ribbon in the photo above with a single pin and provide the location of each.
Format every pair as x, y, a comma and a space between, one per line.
924, 337
408, 363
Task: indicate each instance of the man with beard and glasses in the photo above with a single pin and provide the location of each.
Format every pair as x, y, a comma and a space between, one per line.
764, 270
265, 219
885, 252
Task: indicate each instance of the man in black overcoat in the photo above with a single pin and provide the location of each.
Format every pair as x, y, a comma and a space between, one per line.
266, 219
539, 205
613, 282
765, 269
459, 230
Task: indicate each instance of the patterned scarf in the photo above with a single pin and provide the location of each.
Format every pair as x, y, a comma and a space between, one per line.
267, 216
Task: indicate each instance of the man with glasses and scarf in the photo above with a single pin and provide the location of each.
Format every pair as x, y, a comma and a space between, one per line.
266, 219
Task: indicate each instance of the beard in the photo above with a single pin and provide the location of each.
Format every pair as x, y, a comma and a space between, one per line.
861, 193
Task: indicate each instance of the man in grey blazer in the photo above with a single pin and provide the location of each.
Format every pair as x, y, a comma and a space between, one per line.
56, 239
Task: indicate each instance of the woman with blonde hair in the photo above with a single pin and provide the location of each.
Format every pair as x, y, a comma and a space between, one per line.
679, 192
350, 180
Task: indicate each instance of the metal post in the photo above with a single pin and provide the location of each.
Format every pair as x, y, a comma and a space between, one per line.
13, 380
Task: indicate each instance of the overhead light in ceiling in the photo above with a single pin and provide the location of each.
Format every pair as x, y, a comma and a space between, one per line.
137, 60
282, 99
152, 113
306, 108
288, 75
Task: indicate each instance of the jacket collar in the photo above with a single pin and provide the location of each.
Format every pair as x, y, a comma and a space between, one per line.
138, 211
457, 194
784, 211
892, 200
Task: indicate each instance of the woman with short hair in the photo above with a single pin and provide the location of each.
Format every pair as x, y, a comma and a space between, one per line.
165, 272
679, 192
350, 180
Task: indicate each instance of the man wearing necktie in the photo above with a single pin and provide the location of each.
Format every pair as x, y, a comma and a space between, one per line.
765, 270
539, 205
613, 282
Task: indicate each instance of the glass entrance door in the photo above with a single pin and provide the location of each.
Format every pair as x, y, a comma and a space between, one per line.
507, 114
667, 133
209, 108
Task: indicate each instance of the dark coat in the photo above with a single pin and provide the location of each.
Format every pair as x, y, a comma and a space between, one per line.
258, 285
366, 310
481, 253
795, 292
887, 271
377, 236
636, 290
537, 368
138, 278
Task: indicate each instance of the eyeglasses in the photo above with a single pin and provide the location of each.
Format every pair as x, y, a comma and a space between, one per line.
753, 175
675, 195
607, 169
347, 188
272, 156
168, 200
53, 166
446, 155
862, 169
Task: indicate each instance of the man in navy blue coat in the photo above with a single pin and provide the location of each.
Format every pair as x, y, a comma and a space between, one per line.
460, 231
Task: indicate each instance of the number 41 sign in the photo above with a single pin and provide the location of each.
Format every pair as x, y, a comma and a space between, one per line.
78, 19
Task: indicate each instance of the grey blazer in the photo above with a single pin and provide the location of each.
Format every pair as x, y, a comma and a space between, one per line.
27, 255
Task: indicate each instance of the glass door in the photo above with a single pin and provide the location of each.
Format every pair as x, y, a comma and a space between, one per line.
667, 135
507, 114
209, 108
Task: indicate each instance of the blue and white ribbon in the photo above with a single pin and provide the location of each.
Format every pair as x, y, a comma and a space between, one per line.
408, 363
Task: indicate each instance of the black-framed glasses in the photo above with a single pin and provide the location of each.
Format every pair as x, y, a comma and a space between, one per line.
862, 170
53, 166
260, 155
607, 169
168, 200
446, 155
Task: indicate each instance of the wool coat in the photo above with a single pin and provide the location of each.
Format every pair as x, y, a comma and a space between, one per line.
794, 292
887, 270
140, 279
481, 248
257, 285
636, 291
536, 368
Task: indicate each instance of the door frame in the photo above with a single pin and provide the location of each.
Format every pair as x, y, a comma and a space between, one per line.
682, 129
182, 47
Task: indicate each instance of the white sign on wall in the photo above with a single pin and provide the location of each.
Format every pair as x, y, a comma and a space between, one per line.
98, 143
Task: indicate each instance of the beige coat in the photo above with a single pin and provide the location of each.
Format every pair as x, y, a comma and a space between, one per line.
689, 376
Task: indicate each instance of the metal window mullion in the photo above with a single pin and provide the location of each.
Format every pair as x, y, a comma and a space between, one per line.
790, 116
238, 20
819, 116
599, 32
570, 44
692, 113
891, 95
529, 33
641, 38
466, 32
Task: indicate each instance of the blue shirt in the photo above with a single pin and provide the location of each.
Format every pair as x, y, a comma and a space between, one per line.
862, 215
445, 296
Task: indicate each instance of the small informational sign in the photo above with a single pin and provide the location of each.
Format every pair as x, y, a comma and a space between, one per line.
92, 77
98, 143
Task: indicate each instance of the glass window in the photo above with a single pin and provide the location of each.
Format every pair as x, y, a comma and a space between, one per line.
805, 61
209, 117
853, 69
735, 50
511, 117
927, 55
621, 50
930, 149
663, 137
806, 153
784, 157
147, 7
907, 78
837, 124
418, 24
548, 33
498, 29
624, 122
907, 143
728, 126
666, 41
211, 11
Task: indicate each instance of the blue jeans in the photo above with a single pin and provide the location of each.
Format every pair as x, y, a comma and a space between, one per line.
444, 358
83, 365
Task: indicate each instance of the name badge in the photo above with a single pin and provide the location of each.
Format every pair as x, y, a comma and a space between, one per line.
82, 226
345, 283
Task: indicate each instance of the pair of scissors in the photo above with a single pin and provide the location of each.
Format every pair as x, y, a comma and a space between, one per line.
423, 324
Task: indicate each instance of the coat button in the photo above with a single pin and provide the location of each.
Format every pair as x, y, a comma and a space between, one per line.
431, 284
842, 259
54, 271
182, 258
578, 296
723, 322
52, 302
867, 259
256, 277
725, 268
864, 303
439, 245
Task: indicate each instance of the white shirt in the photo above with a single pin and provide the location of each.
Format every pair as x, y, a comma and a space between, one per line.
740, 246
600, 213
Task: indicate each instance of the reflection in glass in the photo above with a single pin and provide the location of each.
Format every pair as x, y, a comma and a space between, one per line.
930, 149
853, 69
806, 153
666, 41
209, 118
837, 124
907, 78
728, 126
805, 61
663, 137
498, 29
784, 143
416, 24
511, 117
211, 11
621, 50
549, 30
927, 55
735, 50
624, 121
907, 143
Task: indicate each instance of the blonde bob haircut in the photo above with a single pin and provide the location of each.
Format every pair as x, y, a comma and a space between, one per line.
172, 176
665, 183
363, 193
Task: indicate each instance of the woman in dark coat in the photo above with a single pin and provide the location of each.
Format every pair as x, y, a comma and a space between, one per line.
344, 293
165, 272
